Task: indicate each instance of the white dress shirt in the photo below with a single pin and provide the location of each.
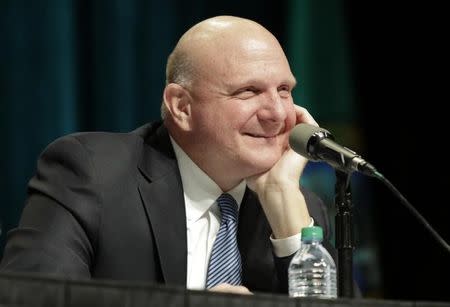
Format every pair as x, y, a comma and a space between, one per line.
203, 219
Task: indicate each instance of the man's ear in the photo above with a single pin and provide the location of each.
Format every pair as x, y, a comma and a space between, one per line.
178, 103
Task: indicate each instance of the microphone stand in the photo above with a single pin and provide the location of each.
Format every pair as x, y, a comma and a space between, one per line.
344, 234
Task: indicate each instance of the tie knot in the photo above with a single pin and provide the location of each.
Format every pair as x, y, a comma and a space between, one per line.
228, 207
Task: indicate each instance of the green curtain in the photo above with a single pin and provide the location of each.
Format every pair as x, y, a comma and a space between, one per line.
320, 54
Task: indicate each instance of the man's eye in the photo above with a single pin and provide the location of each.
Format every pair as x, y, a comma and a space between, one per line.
284, 91
246, 93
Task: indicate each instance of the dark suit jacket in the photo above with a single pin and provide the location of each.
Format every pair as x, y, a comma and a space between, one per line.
111, 206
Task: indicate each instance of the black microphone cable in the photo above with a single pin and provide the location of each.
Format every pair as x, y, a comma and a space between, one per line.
413, 210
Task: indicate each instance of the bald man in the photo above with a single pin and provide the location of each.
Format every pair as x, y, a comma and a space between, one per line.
143, 205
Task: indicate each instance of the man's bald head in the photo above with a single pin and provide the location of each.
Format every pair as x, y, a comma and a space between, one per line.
198, 48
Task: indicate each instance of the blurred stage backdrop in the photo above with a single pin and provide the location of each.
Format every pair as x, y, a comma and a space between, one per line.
81, 65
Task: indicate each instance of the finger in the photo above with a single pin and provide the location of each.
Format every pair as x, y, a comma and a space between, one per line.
303, 116
227, 288
243, 290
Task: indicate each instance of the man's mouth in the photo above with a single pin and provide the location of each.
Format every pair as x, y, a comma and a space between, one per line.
262, 136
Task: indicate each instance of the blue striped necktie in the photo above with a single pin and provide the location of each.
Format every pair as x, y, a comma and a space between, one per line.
225, 261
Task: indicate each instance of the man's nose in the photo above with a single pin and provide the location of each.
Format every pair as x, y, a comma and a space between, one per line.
273, 108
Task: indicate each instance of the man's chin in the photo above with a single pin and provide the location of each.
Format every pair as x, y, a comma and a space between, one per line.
261, 166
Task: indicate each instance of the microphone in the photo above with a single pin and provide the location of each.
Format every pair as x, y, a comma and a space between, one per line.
317, 144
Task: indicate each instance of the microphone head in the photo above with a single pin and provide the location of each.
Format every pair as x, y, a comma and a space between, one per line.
302, 136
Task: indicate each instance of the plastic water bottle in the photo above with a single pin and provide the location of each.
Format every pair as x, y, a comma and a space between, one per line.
312, 271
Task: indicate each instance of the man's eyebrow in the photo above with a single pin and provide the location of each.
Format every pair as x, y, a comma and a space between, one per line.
253, 81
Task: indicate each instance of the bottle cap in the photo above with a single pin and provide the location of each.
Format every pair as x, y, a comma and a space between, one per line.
313, 233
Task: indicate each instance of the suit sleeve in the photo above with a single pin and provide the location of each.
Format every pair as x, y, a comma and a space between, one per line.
58, 227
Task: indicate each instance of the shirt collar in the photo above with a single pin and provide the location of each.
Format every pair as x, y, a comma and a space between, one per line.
200, 191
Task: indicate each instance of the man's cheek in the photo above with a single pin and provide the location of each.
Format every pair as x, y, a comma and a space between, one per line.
290, 119
285, 143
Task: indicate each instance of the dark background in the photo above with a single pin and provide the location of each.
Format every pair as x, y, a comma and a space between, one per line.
401, 64
373, 73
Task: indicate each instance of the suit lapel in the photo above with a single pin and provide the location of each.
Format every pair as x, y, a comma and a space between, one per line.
249, 207
162, 194
254, 244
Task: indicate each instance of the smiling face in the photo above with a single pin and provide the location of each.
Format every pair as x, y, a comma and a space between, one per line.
241, 108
